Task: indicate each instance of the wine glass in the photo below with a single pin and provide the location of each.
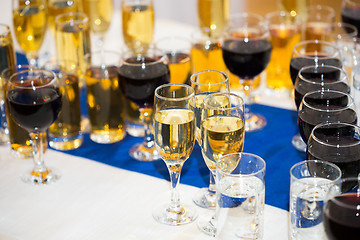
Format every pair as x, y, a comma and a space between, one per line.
222, 132
342, 210
324, 106
350, 13
30, 23
34, 102
174, 129
140, 75
308, 53
338, 143
246, 51
205, 83
317, 24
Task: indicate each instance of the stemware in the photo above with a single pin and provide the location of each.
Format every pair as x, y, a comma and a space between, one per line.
30, 23
205, 83
324, 106
246, 51
222, 132
140, 75
57, 7
174, 129
350, 13
317, 24
34, 102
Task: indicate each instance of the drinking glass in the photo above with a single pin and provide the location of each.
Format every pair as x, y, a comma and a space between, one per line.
304, 55
177, 49
350, 13
137, 24
34, 102
318, 22
213, 16
30, 23
140, 75
310, 181
205, 83
8, 60
324, 106
105, 97
174, 128
246, 51
240, 194
222, 132
100, 13
65, 133
337, 143
284, 31
342, 210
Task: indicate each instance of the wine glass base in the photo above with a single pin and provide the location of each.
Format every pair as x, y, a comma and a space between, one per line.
41, 178
206, 224
166, 215
298, 143
205, 199
254, 122
143, 153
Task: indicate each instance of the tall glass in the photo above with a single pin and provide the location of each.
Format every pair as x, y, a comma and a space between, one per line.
350, 13
7, 60
34, 102
137, 23
205, 83
30, 23
222, 132
246, 51
174, 128
140, 75
318, 23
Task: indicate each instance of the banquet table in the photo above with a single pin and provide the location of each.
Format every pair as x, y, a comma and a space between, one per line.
105, 194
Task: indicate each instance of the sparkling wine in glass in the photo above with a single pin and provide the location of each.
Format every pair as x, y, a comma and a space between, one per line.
246, 52
174, 130
58, 7
34, 102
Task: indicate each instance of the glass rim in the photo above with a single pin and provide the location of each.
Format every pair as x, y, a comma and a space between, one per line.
330, 144
348, 106
173, 50
344, 25
258, 158
336, 184
15, 67
300, 75
12, 79
177, 99
83, 18
315, 161
194, 75
321, 7
241, 101
245, 15
352, 2
281, 13
101, 52
328, 44
124, 57
6, 30
233, 26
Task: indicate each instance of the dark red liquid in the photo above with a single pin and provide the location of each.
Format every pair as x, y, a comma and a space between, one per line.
34, 110
351, 16
246, 59
140, 81
342, 217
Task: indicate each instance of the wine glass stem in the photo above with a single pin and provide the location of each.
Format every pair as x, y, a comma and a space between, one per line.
146, 117
248, 87
175, 170
212, 187
38, 149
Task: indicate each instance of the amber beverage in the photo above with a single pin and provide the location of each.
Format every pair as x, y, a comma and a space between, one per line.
58, 7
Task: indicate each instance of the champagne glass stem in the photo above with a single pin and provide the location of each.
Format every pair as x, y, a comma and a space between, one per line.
174, 171
212, 188
38, 143
32, 58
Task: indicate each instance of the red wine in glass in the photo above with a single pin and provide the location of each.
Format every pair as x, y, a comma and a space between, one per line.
351, 15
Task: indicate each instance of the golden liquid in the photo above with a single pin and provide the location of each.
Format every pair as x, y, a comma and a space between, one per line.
105, 105
221, 135
100, 13
138, 25
317, 31
57, 7
68, 123
30, 22
213, 16
283, 40
73, 43
179, 65
174, 134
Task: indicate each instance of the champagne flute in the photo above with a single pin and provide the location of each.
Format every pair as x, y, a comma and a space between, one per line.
205, 83
34, 102
222, 132
30, 23
246, 52
140, 75
174, 128
57, 7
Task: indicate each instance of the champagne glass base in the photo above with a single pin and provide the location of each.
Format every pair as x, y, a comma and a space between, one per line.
254, 122
205, 198
41, 178
166, 215
206, 224
143, 153
298, 143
